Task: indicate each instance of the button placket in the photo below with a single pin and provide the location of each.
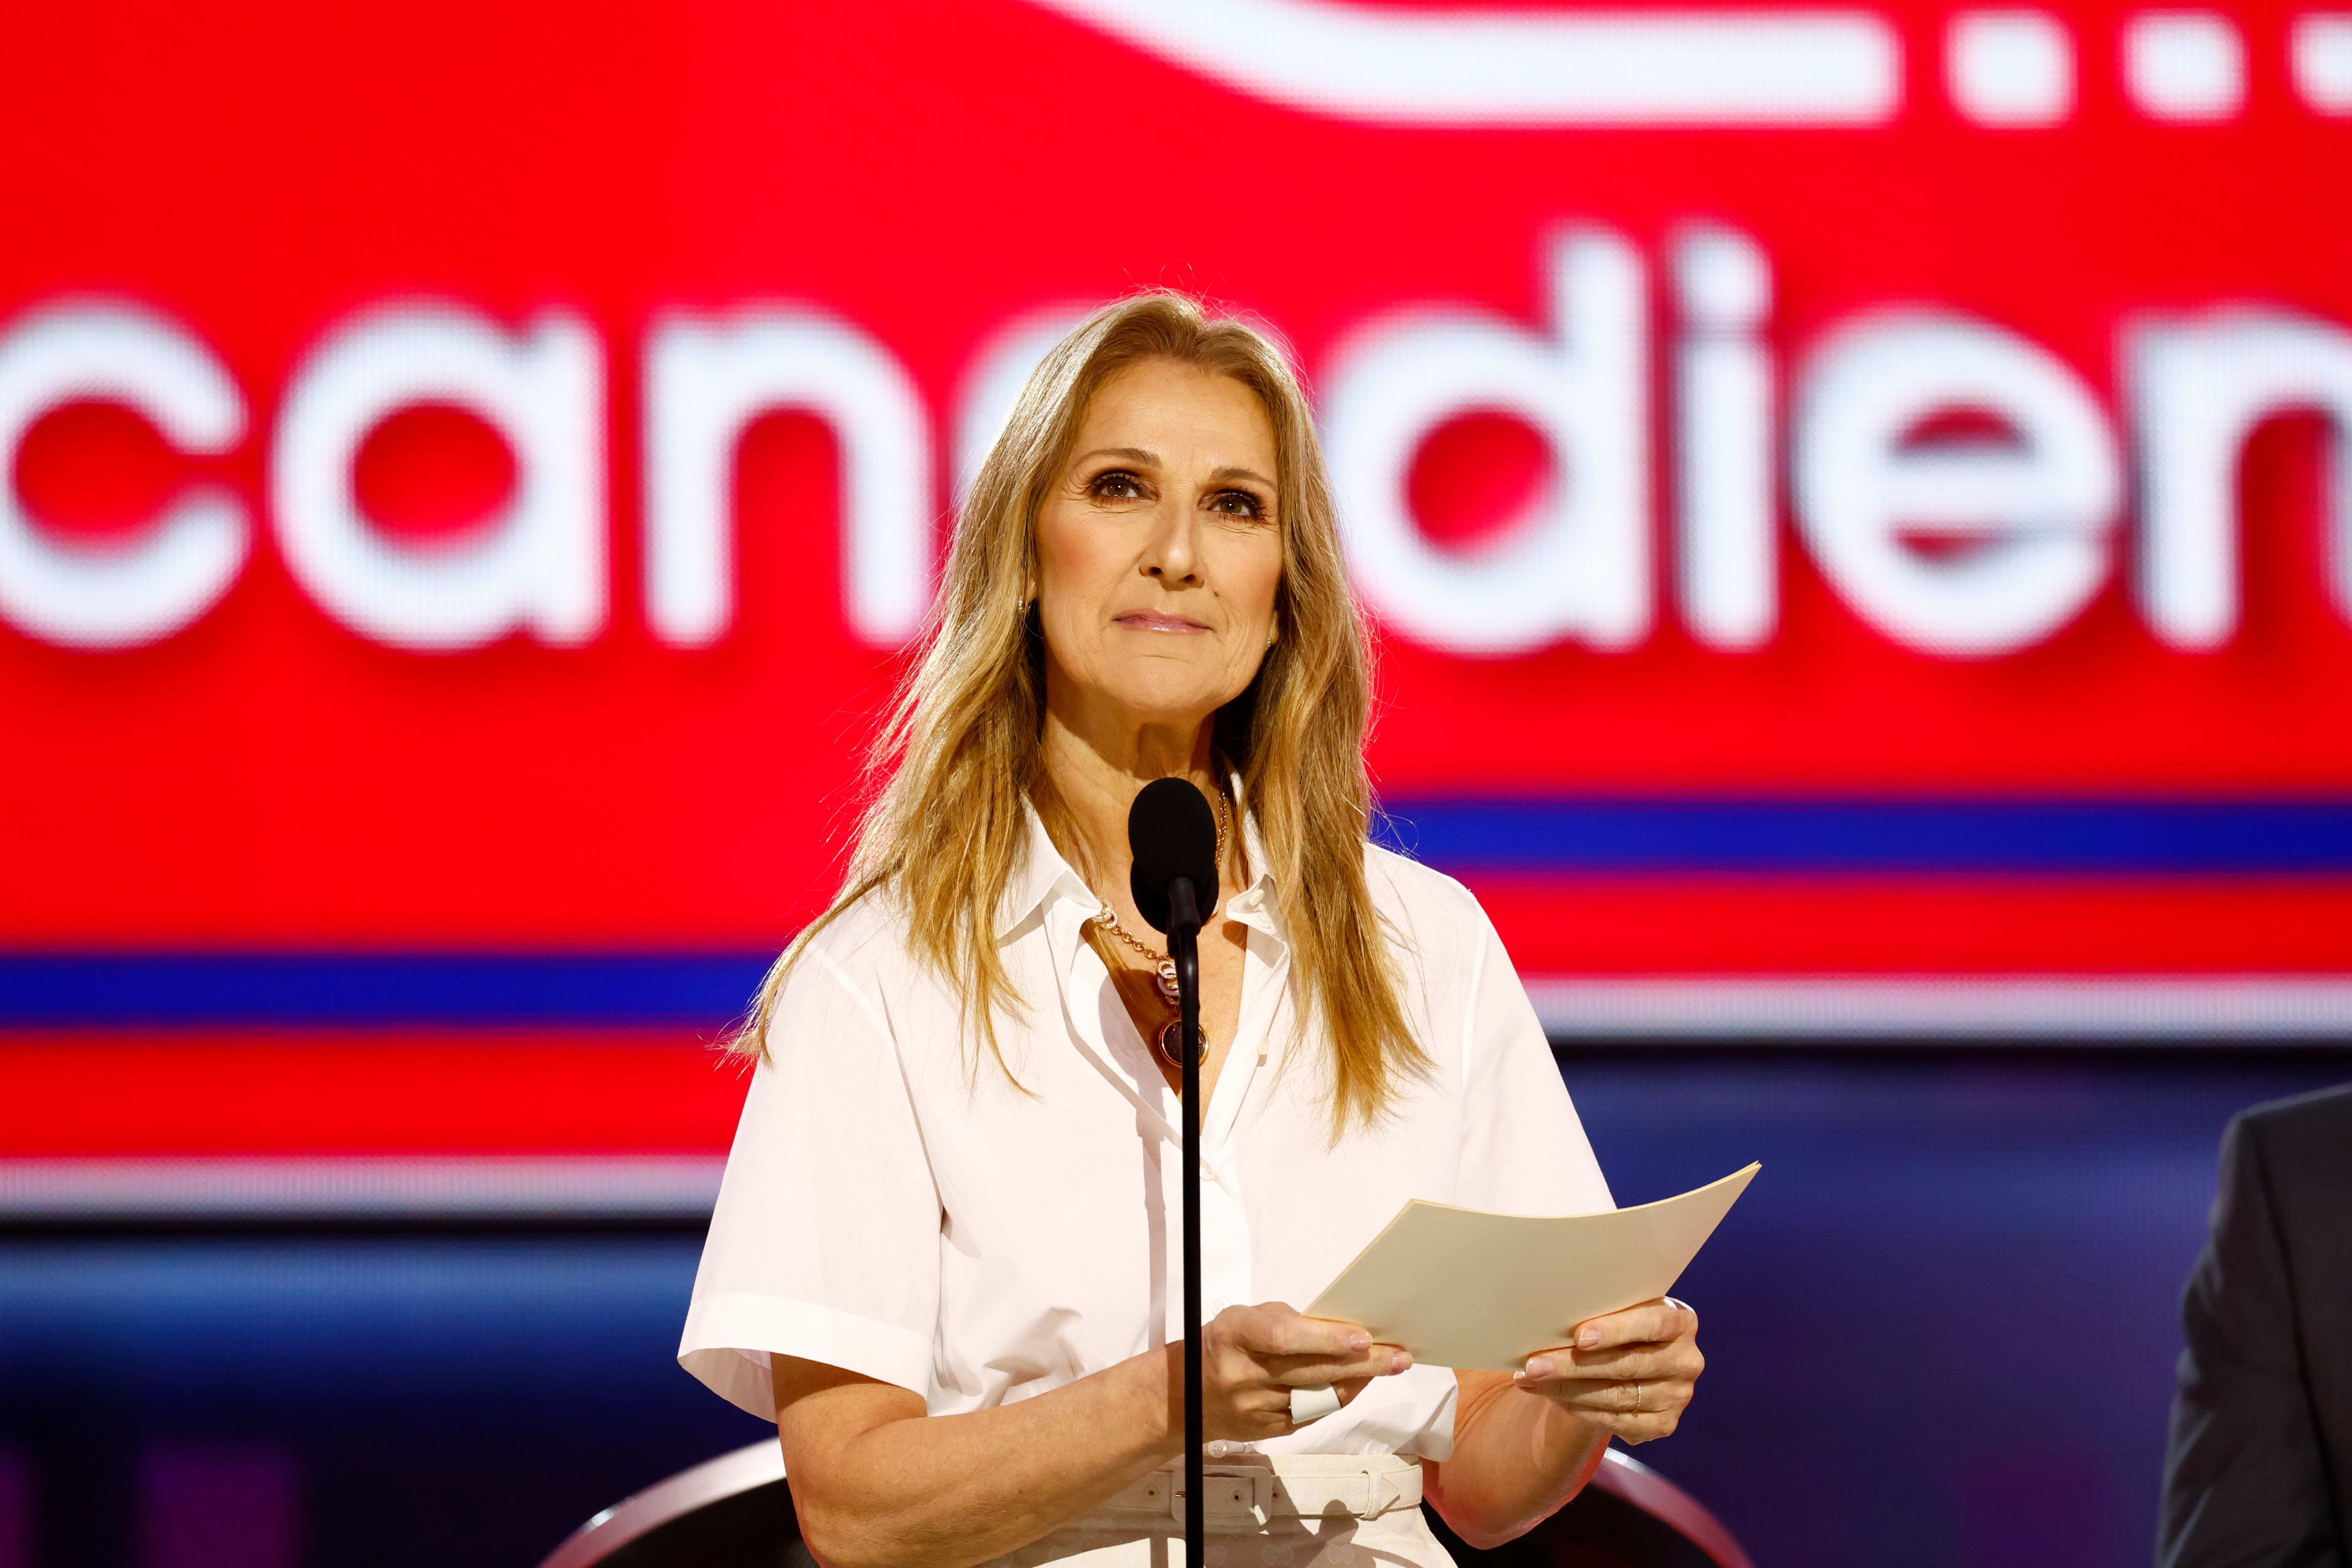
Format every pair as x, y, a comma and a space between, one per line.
1225, 1244
1225, 1271
1074, 955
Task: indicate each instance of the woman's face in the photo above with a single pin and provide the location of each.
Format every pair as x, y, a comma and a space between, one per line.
1157, 548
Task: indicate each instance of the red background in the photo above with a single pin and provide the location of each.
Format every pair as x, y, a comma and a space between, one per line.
266, 778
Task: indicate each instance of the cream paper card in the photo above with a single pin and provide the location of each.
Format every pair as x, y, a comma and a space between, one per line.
1462, 1287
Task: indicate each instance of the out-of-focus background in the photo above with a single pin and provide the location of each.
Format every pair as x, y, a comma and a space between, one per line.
1854, 498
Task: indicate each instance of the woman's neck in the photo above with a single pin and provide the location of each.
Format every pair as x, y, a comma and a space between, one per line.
1095, 767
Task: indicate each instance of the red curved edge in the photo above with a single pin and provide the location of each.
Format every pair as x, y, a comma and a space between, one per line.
1622, 1476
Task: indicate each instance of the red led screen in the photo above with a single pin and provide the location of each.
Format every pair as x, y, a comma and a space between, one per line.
472, 468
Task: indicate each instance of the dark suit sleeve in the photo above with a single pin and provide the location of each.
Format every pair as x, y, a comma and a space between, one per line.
2244, 1481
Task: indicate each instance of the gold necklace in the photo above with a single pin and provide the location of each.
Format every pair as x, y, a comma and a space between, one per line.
1163, 968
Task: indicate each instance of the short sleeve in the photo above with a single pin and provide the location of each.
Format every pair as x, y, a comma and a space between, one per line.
1523, 1147
825, 1243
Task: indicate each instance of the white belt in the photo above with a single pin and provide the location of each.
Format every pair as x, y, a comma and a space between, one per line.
1244, 1496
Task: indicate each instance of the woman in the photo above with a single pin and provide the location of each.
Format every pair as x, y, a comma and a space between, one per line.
943, 1253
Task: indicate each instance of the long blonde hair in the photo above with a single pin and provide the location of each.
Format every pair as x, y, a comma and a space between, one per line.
962, 752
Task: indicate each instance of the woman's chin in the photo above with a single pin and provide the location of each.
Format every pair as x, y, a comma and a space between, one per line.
1179, 705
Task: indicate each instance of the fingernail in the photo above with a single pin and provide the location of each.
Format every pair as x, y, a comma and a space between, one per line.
1401, 1362
1359, 1342
1536, 1370
1588, 1339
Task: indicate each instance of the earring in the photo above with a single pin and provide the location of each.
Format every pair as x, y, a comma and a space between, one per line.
1272, 632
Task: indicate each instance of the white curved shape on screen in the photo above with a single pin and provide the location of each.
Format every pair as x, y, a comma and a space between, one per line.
1565, 68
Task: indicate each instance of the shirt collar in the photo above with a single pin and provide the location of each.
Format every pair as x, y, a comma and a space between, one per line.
1253, 905
1043, 876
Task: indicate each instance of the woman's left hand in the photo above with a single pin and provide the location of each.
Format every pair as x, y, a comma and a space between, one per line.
1629, 1374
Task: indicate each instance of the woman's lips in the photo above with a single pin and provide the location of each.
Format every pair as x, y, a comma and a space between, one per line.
1154, 621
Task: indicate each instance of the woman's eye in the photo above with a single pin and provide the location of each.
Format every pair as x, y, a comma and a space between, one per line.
1117, 485
1237, 503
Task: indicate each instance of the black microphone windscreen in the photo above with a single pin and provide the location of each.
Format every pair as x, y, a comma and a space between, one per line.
1171, 832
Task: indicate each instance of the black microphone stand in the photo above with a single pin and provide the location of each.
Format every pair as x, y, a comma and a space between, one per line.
1184, 948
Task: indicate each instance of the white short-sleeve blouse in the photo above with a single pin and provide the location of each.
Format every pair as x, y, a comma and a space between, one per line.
895, 1208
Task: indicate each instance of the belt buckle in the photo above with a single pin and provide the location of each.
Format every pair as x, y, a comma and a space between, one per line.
1230, 1496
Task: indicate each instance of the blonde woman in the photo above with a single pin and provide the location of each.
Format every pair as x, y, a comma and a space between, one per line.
943, 1253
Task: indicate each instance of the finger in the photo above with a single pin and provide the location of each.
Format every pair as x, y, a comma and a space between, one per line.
1644, 1364
1652, 1323
1673, 1358
1648, 1426
1614, 1404
1274, 1328
1315, 1372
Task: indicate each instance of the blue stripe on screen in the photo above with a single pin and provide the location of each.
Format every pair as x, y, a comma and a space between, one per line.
1549, 836
2072, 838
324, 990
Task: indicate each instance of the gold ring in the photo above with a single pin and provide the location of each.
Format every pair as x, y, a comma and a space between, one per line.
1637, 1400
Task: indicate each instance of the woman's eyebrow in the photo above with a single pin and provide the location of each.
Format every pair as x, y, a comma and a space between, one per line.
1126, 454
1224, 474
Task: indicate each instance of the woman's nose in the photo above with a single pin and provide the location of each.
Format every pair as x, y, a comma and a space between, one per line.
1172, 556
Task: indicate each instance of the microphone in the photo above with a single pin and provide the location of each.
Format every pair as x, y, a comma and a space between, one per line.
1173, 835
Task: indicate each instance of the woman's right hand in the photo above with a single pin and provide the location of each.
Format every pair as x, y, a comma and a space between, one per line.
1251, 1357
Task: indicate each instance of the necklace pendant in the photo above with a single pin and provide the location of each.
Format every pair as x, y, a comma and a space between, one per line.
1164, 972
1170, 1050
